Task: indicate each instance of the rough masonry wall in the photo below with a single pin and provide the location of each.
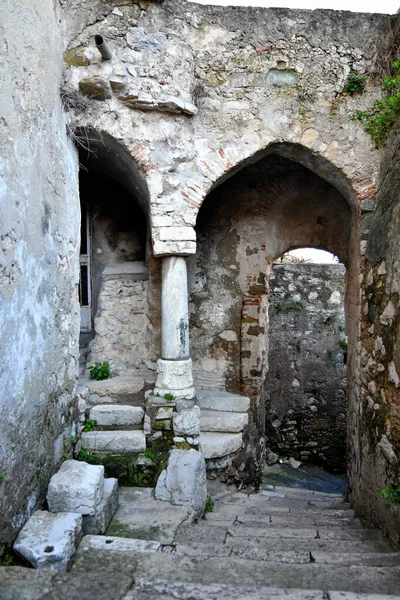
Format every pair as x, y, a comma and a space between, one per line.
376, 424
305, 387
195, 91
39, 249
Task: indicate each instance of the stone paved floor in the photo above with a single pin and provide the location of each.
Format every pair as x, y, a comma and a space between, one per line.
283, 542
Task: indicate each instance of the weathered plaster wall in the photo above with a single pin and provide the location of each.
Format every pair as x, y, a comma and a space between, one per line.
375, 458
39, 235
305, 387
195, 91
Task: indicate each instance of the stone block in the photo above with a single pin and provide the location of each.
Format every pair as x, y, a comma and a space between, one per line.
223, 401
116, 414
49, 541
215, 445
229, 422
77, 487
114, 442
105, 510
183, 482
187, 422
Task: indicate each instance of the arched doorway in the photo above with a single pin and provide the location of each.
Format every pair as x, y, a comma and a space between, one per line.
273, 203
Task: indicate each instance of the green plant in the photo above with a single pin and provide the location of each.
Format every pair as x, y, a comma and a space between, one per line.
355, 83
2, 476
343, 345
74, 440
298, 346
209, 504
391, 495
384, 114
84, 455
89, 425
6, 560
149, 453
99, 371
169, 397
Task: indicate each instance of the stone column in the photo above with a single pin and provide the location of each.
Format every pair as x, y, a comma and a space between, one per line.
174, 368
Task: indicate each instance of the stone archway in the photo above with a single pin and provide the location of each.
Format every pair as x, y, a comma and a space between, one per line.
275, 202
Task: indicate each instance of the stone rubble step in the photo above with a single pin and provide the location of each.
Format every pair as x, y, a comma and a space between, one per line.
120, 389
241, 572
105, 510
102, 443
311, 532
49, 541
114, 415
300, 493
222, 401
229, 422
216, 445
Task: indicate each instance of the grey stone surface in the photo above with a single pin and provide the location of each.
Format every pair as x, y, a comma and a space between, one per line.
222, 401
21, 583
187, 422
229, 422
141, 516
48, 541
214, 444
98, 585
114, 442
117, 414
76, 487
183, 482
104, 510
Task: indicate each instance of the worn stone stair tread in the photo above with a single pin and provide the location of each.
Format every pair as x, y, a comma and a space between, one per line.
303, 492
215, 445
303, 532
114, 442
122, 389
242, 572
145, 589
222, 401
229, 422
284, 519
137, 270
112, 415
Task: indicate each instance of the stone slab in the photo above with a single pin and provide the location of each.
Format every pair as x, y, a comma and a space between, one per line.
141, 516
222, 401
187, 422
230, 422
115, 386
76, 487
105, 510
21, 583
48, 541
308, 545
183, 482
215, 445
112, 415
114, 442
96, 585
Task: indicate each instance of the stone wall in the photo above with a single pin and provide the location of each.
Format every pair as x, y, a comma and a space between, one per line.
374, 463
39, 235
305, 387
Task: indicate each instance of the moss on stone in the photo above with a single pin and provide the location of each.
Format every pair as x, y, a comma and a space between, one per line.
76, 58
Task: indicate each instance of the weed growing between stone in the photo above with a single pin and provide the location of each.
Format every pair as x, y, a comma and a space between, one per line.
209, 504
391, 495
355, 84
89, 425
169, 397
99, 371
384, 114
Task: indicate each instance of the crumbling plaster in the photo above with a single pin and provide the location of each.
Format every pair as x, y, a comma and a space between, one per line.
39, 248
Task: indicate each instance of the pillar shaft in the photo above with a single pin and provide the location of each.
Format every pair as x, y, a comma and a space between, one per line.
174, 309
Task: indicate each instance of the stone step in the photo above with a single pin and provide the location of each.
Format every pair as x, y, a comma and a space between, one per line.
115, 443
296, 492
116, 390
114, 415
228, 422
215, 445
222, 401
302, 532
146, 589
156, 565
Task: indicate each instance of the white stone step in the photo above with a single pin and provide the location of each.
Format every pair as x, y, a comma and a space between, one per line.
222, 401
114, 442
112, 415
109, 391
215, 445
48, 540
228, 422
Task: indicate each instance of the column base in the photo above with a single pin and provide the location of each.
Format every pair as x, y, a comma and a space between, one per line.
175, 377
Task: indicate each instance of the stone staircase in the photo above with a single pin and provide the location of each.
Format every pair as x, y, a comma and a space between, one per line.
279, 543
117, 406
